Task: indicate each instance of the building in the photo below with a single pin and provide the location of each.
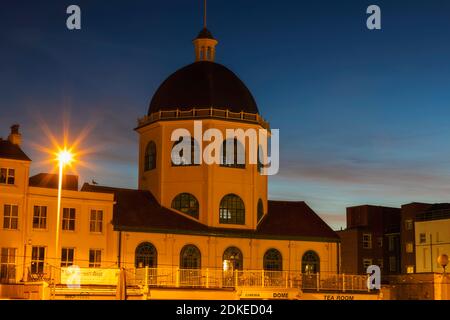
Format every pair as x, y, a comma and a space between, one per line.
28, 209
407, 235
372, 237
432, 237
187, 226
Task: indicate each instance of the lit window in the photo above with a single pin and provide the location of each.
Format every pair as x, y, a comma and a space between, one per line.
96, 221
67, 255
187, 204
10, 216
310, 262
95, 258
367, 241
7, 176
232, 210
68, 222
40, 217
190, 258
146, 256
232, 259
409, 247
409, 269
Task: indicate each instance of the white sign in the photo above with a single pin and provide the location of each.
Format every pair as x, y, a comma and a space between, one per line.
91, 276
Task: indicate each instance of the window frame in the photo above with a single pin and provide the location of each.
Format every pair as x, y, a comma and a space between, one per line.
151, 256
96, 254
367, 243
42, 217
224, 159
10, 218
8, 267
6, 176
65, 263
150, 153
192, 210
233, 207
96, 222
67, 221
37, 262
190, 261
194, 147
422, 238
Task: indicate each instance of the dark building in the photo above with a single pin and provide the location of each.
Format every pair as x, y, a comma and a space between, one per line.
407, 230
372, 237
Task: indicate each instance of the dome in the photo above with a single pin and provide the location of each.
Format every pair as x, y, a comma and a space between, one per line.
203, 84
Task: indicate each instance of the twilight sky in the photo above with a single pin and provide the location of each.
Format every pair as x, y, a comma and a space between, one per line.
363, 115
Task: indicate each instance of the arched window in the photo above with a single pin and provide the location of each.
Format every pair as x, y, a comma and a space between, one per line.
232, 259
232, 210
150, 156
234, 158
146, 256
190, 257
186, 203
260, 210
310, 262
190, 159
273, 260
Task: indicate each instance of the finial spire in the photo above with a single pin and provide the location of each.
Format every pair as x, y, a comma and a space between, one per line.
204, 14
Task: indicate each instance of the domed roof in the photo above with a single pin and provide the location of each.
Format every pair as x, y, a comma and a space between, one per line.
203, 84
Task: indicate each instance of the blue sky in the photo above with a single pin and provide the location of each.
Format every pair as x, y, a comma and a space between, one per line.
363, 115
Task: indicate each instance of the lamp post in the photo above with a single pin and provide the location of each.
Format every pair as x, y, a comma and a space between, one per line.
65, 157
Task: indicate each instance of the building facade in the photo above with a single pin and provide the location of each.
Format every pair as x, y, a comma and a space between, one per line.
372, 237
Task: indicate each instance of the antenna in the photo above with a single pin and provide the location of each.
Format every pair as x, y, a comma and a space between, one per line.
204, 14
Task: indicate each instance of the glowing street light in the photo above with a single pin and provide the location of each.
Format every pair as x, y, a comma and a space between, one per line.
64, 157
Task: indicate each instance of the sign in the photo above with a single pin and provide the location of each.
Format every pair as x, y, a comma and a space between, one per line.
269, 294
91, 276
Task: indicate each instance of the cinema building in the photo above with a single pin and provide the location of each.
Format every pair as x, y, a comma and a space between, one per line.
188, 231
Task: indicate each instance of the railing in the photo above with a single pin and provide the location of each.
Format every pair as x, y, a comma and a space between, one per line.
217, 278
172, 277
195, 113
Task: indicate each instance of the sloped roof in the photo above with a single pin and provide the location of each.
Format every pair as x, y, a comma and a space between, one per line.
50, 180
10, 150
139, 211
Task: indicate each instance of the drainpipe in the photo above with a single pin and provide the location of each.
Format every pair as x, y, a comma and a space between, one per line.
119, 250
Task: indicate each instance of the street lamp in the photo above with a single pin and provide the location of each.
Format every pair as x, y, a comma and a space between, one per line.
64, 157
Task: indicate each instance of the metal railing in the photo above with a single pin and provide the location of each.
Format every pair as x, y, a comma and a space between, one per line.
217, 278
202, 113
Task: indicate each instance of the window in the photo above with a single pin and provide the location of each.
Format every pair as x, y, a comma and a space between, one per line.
37, 259
40, 217
310, 262
409, 247
423, 238
150, 156
391, 243
10, 216
187, 204
7, 264
95, 258
392, 264
367, 241
409, 269
192, 158
260, 210
232, 210
7, 176
96, 221
67, 255
68, 222
146, 256
380, 242
190, 258
367, 263
381, 263
272, 260
234, 155
261, 154
232, 259
409, 224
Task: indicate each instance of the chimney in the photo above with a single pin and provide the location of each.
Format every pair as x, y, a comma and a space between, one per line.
15, 137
